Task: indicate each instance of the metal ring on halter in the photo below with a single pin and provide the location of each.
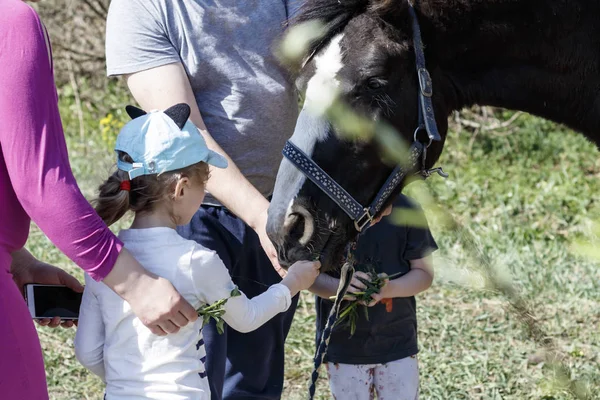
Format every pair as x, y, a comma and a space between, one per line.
419, 128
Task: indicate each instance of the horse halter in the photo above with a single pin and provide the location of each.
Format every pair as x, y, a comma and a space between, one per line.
363, 216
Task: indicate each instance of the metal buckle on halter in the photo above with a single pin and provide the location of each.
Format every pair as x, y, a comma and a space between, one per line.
359, 223
425, 82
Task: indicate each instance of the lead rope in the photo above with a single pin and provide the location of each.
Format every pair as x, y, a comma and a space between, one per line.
346, 275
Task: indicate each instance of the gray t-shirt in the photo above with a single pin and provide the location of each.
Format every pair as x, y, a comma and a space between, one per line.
245, 97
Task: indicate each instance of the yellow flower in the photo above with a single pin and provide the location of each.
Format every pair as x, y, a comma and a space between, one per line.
110, 127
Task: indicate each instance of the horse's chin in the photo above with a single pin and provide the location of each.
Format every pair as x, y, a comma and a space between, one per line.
332, 258
333, 252
330, 252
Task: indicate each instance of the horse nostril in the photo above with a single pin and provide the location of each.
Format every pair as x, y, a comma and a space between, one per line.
294, 226
299, 225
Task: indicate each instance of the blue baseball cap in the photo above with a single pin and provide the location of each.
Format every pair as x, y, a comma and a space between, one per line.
162, 141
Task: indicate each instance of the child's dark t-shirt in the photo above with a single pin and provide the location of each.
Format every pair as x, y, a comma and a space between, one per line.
386, 336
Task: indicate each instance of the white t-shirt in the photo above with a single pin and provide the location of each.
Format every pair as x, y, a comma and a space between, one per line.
136, 364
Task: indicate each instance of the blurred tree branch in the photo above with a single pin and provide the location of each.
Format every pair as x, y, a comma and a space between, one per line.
77, 30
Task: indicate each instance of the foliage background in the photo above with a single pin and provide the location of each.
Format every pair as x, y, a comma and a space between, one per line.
525, 189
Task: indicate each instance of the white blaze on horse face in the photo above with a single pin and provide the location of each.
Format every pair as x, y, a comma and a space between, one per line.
311, 127
322, 88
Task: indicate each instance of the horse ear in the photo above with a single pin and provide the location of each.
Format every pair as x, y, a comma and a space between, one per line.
134, 112
179, 113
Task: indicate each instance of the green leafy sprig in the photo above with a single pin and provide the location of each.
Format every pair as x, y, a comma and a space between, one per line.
350, 312
216, 311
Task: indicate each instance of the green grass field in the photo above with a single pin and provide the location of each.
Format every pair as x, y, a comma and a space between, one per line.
527, 194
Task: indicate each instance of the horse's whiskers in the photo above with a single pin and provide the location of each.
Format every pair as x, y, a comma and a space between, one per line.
389, 101
385, 103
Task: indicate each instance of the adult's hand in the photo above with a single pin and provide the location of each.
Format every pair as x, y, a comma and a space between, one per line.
25, 268
267, 245
153, 299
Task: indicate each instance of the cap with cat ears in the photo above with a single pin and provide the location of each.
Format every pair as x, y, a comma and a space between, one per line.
179, 113
162, 141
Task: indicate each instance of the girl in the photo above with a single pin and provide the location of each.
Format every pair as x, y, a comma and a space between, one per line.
380, 357
162, 168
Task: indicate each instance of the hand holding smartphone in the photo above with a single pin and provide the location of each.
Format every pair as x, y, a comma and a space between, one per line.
50, 301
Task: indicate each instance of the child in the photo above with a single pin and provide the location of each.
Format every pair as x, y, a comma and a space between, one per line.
381, 355
162, 167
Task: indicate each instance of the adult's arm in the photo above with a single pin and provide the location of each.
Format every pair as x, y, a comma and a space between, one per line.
161, 87
325, 286
35, 153
33, 147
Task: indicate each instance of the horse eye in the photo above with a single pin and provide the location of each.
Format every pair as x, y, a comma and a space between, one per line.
375, 83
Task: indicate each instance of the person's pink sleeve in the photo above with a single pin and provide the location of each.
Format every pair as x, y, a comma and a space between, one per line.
34, 149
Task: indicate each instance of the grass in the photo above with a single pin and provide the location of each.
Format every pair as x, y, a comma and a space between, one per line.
525, 197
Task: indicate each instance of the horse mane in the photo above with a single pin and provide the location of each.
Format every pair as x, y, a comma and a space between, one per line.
335, 15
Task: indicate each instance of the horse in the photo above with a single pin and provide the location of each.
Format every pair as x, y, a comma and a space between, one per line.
536, 56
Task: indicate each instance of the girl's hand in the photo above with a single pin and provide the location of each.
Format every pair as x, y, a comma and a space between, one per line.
356, 285
382, 295
301, 275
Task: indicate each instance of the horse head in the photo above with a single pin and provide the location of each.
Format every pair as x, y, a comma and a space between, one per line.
477, 52
369, 63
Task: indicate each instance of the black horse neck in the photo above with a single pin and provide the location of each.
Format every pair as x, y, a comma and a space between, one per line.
538, 56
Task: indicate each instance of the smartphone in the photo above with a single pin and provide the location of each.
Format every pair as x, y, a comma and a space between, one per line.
49, 301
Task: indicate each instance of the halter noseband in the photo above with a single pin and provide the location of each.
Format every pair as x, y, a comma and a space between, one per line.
361, 215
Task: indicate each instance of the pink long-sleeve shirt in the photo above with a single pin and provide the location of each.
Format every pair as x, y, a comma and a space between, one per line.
36, 182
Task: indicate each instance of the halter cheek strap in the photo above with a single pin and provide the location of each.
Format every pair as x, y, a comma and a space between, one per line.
426, 114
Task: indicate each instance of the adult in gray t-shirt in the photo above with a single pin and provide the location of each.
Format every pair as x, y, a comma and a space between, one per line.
217, 54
